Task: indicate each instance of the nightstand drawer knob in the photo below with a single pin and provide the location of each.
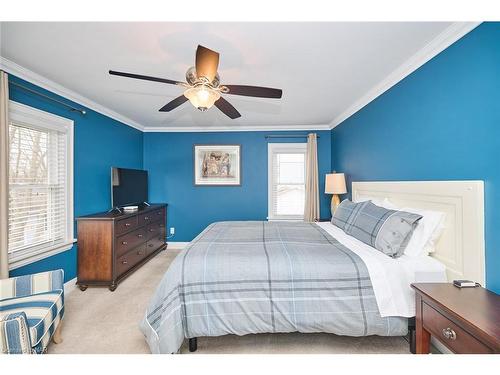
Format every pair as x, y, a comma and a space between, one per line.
449, 334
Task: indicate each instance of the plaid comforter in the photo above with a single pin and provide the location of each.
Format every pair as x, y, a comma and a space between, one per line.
256, 277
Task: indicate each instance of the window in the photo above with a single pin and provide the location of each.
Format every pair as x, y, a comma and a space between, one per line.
40, 184
286, 190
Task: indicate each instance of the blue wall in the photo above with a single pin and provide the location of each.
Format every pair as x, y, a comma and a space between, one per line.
99, 143
440, 123
168, 157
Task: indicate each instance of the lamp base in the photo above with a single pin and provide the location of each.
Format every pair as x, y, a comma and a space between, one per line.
335, 203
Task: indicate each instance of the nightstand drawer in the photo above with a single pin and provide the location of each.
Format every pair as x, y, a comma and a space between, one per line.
450, 334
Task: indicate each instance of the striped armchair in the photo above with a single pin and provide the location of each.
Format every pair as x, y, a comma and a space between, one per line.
31, 310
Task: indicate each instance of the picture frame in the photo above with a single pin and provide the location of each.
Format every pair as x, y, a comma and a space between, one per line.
217, 165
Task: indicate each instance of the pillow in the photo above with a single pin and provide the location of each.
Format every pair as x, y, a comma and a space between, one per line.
388, 231
379, 201
427, 233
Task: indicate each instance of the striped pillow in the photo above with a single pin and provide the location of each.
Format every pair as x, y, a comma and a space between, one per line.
388, 231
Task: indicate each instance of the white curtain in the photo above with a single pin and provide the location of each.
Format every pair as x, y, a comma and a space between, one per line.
4, 174
311, 208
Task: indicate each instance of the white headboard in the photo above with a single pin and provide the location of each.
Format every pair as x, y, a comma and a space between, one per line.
461, 246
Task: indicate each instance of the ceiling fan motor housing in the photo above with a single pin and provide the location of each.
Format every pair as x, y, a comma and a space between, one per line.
193, 79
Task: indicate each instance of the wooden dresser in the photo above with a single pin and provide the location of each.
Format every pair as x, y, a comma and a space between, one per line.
113, 245
466, 320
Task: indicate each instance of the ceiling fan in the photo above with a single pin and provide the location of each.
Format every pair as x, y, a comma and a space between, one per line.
203, 88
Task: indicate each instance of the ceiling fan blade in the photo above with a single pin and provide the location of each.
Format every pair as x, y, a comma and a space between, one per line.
146, 78
207, 62
227, 108
174, 104
256, 91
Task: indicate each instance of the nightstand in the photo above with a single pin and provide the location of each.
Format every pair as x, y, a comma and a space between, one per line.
466, 321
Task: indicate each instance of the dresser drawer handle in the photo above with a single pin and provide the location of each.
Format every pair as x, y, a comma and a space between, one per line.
151, 230
449, 334
139, 252
124, 262
127, 224
146, 217
150, 245
139, 235
124, 243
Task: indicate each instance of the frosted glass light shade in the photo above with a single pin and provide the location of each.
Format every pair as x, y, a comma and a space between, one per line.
335, 184
202, 97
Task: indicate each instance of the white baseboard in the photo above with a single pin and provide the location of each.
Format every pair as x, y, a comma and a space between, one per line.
177, 245
70, 286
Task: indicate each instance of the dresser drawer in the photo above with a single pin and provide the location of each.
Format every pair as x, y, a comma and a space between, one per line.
155, 229
145, 218
130, 240
158, 215
156, 242
130, 259
122, 226
454, 337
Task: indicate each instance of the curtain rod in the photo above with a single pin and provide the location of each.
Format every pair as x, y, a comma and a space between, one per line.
288, 136
71, 108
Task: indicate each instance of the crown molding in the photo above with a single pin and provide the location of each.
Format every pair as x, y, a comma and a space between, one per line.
247, 128
45, 83
442, 41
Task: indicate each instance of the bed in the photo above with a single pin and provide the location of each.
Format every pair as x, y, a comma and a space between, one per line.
265, 277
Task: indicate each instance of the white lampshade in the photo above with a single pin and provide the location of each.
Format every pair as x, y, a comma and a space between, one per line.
202, 97
335, 184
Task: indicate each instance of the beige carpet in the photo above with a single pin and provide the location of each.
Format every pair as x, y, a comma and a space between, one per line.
99, 321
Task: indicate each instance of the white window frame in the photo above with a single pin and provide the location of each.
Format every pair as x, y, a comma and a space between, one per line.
280, 148
37, 119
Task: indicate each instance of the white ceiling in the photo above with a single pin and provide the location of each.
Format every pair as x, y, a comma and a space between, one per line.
326, 70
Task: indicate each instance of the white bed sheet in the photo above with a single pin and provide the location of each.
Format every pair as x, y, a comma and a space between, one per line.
391, 278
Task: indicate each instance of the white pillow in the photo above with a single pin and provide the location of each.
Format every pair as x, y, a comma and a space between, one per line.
427, 233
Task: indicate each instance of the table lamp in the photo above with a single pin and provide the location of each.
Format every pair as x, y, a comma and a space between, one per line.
335, 184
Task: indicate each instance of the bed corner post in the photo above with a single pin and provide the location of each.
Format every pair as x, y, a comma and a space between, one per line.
412, 336
193, 344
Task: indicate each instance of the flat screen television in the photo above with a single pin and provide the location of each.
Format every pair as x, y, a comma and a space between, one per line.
128, 187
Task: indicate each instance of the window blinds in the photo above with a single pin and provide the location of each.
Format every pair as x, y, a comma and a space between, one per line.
287, 181
37, 188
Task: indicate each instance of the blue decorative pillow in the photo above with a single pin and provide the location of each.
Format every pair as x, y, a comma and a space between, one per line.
388, 231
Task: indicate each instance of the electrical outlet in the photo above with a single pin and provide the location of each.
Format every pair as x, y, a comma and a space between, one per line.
172, 231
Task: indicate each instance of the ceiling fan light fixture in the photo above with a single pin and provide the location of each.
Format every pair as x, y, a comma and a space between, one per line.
202, 97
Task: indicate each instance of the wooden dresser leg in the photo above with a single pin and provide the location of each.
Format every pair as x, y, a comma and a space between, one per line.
423, 338
57, 337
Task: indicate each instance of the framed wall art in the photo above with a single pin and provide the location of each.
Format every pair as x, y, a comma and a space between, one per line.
217, 165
